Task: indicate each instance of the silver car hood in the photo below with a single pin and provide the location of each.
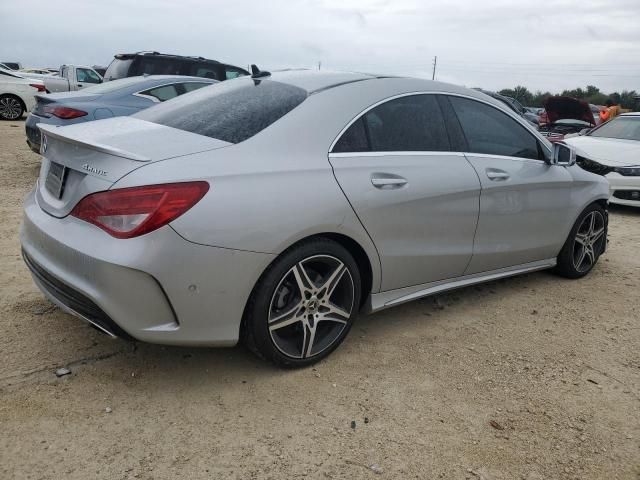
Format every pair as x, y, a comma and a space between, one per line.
611, 152
98, 154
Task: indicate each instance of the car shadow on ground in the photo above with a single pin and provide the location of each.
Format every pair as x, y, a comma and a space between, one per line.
380, 330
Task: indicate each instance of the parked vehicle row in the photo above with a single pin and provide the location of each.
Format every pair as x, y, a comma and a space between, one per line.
274, 209
110, 99
69, 78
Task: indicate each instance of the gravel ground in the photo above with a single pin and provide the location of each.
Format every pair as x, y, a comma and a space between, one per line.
529, 378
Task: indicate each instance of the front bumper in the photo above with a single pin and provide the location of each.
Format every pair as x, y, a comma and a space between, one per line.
624, 190
157, 288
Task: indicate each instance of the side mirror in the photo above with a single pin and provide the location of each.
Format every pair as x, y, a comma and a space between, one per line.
563, 155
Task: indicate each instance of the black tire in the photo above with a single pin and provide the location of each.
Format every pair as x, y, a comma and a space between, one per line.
11, 107
582, 249
278, 292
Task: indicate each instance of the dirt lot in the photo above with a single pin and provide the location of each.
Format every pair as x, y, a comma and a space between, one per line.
530, 378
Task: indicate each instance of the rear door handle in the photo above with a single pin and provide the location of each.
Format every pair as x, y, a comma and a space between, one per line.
387, 180
497, 175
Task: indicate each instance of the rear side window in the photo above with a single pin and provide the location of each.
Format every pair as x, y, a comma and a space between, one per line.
490, 131
158, 66
231, 111
407, 124
191, 86
162, 93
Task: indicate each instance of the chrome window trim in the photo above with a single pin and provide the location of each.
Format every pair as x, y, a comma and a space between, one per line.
543, 141
398, 153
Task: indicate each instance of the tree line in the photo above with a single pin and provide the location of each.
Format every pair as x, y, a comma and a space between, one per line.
626, 99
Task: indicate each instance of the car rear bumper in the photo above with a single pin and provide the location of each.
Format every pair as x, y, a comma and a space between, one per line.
157, 288
624, 190
32, 131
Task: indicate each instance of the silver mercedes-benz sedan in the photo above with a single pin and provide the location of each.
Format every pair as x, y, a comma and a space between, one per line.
273, 209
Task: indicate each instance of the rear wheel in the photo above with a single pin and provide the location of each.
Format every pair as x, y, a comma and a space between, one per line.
304, 305
11, 107
586, 242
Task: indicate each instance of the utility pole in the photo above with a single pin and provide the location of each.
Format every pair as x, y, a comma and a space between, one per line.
319, 65
435, 62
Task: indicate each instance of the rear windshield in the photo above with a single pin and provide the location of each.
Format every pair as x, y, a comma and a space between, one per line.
232, 111
118, 68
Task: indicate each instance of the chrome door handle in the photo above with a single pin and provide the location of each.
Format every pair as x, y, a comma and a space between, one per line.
497, 175
388, 182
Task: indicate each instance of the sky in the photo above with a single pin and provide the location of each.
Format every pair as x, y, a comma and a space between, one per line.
492, 44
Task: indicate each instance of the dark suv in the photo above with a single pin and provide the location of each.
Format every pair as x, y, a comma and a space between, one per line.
154, 63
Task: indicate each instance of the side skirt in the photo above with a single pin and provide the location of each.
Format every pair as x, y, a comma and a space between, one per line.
391, 298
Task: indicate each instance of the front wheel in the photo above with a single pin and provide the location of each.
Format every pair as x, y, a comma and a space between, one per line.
304, 305
10, 107
586, 242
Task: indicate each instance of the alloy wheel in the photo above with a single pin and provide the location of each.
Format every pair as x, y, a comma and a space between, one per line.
311, 306
587, 244
10, 108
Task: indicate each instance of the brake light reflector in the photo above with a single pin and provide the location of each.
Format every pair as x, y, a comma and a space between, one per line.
131, 212
38, 87
65, 113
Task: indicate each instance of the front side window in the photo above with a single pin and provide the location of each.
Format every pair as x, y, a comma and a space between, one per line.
407, 124
232, 111
85, 75
231, 72
490, 131
206, 71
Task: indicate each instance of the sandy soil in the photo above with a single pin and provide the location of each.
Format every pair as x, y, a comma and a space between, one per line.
530, 378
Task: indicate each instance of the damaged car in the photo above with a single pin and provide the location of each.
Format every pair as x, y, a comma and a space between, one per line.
564, 116
613, 150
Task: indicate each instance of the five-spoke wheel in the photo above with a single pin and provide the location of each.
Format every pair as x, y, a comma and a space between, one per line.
304, 305
586, 242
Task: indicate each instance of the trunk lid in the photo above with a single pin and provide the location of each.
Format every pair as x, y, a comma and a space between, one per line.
90, 157
568, 108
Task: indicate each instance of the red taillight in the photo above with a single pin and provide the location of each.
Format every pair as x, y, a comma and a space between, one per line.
38, 87
131, 212
65, 113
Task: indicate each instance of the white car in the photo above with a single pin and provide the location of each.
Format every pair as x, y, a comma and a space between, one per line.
613, 150
38, 71
17, 94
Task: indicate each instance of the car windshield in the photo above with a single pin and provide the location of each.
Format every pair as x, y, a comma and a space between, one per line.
108, 87
232, 111
623, 128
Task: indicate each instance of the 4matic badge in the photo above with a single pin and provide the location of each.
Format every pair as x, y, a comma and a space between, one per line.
95, 170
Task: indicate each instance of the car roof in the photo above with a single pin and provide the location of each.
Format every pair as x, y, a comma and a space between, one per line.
165, 55
314, 81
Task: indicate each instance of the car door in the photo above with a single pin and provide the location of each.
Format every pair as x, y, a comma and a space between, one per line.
417, 200
86, 77
525, 201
